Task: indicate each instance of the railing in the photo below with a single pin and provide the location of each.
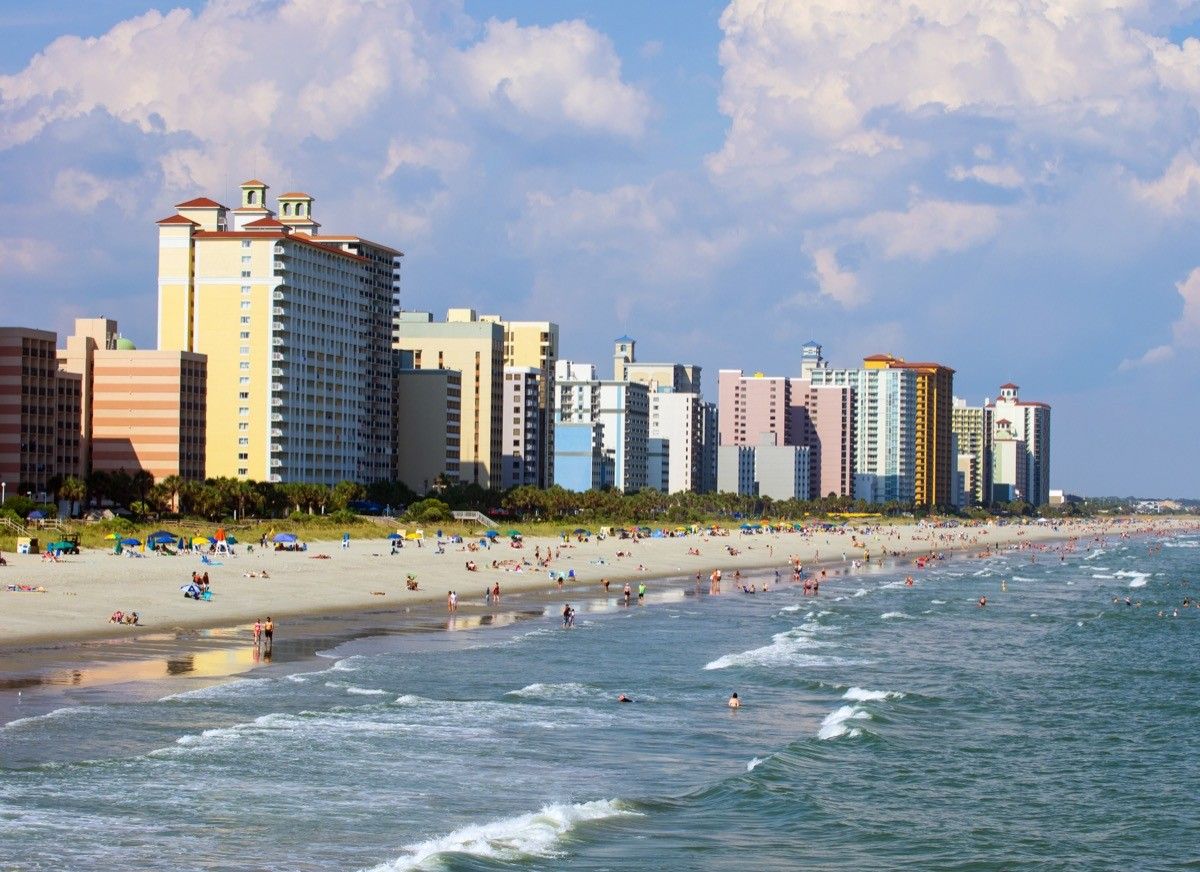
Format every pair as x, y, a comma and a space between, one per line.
477, 517
7, 524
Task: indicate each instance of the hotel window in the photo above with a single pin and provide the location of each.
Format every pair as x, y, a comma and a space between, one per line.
245, 334
245, 273
243, 410
245, 260
245, 289
245, 243
244, 349
243, 441
243, 395
243, 426
243, 471
244, 380
245, 304
242, 455
245, 364
245, 319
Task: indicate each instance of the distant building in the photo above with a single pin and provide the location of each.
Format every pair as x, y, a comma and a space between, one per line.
681, 378
522, 431
1029, 422
972, 428
1010, 468
619, 413
139, 411
934, 465
28, 410
677, 433
781, 472
709, 440
534, 344
735, 470
428, 426
885, 423
474, 348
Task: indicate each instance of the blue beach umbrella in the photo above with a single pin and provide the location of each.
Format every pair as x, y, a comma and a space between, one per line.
492, 534
285, 537
394, 536
36, 515
128, 543
159, 536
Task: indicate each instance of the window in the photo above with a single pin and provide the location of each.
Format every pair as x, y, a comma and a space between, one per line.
242, 455
244, 380
243, 411
245, 304
245, 243
245, 334
245, 273
245, 319
243, 395
243, 440
245, 364
245, 260
242, 425
243, 471
244, 349
245, 289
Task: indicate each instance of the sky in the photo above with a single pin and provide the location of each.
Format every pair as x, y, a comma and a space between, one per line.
1008, 187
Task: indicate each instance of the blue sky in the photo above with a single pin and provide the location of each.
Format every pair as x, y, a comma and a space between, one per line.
1009, 188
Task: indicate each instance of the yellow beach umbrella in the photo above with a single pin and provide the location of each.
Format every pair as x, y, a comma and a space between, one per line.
200, 540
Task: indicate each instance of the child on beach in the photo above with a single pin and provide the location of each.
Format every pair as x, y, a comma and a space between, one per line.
258, 629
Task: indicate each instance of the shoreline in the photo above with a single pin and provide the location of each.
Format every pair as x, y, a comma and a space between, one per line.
220, 649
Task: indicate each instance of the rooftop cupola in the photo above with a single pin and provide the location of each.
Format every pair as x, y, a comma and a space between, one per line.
253, 206
295, 210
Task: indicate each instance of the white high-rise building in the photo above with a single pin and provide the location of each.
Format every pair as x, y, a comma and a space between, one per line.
677, 420
1028, 423
615, 419
885, 429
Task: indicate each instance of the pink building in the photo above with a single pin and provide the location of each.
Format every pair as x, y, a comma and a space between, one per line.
794, 412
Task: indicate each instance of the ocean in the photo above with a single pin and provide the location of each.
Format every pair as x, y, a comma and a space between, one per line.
883, 727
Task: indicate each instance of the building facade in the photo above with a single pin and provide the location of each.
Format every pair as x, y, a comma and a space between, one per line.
735, 470
677, 425
475, 349
1030, 424
619, 413
972, 429
522, 431
427, 427
28, 410
296, 327
534, 344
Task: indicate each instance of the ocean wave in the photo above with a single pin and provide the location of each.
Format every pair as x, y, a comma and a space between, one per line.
1183, 543
862, 591
537, 834
938, 602
754, 764
836, 722
1022, 578
890, 616
357, 691
860, 694
786, 649
1101, 575
56, 714
347, 664
1136, 579
566, 690
218, 691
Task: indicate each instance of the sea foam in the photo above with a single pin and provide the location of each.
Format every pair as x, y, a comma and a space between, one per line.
891, 616
786, 649
861, 694
835, 724
509, 840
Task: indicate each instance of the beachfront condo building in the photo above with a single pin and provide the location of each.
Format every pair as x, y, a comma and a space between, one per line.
1010, 470
768, 469
676, 423
794, 411
885, 423
427, 425
534, 344
735, 470
474, 348
935, 468
972, 429
1029, 423
297, 328
710, 439
606, 428
139, 410
29, 419
676, 436
521, 428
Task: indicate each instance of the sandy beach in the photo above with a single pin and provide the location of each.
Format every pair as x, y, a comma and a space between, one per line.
82, 591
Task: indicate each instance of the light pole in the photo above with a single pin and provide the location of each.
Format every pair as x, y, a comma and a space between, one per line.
3, 492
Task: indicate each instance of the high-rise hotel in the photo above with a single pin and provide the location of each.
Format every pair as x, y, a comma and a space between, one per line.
297, 328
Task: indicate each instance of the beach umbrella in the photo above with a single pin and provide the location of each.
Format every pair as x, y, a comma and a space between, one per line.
492, 534
113, 536
130, 542
35, 515
579, 531
285, 537
200, 540
230, 540
394, 536
514, 532
159, 536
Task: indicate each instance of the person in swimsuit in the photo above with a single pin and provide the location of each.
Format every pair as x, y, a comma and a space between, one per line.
734, 702
641, 591
627, 593
623, 698
258, 631
269, 631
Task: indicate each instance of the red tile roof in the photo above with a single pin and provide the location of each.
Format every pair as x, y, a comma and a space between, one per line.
1009, 385
199, 203
177, 219
270, 233
254, 183
294, 195
265, 222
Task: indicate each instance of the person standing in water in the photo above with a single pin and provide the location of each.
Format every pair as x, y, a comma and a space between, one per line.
258, 630
269, 633
734, 702
627, 592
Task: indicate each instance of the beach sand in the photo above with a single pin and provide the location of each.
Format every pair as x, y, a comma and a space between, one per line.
83, 591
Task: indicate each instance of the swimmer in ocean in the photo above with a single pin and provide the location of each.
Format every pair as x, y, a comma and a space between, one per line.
734, 702
623, 698
982, 601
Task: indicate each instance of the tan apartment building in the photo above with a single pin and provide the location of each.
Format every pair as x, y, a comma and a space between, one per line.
28, 410
138, 410
475, 349
428, 421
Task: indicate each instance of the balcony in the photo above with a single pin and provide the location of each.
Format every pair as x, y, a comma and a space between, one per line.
276, 372
277, 295
276, 448
275, 462
277, 401
278, 325
279, 312
279, 264
277, 340
276, 417
277, 357
279, 249
276, 386
276, 433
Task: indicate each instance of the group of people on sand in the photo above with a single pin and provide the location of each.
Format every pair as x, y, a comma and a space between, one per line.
264, 632
120, 617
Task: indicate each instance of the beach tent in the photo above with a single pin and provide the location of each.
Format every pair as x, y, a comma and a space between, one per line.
492, 534
284, 537
36, 515
130, 542
160, 537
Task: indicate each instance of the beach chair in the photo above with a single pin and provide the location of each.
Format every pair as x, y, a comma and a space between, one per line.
208, 561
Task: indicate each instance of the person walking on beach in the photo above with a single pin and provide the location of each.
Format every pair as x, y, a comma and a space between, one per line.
496, 593
258, 630
566, 616
627, 593
641, 591
269, 632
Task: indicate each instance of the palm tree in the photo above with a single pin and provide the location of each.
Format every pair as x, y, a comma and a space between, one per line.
171, 486
74, 492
